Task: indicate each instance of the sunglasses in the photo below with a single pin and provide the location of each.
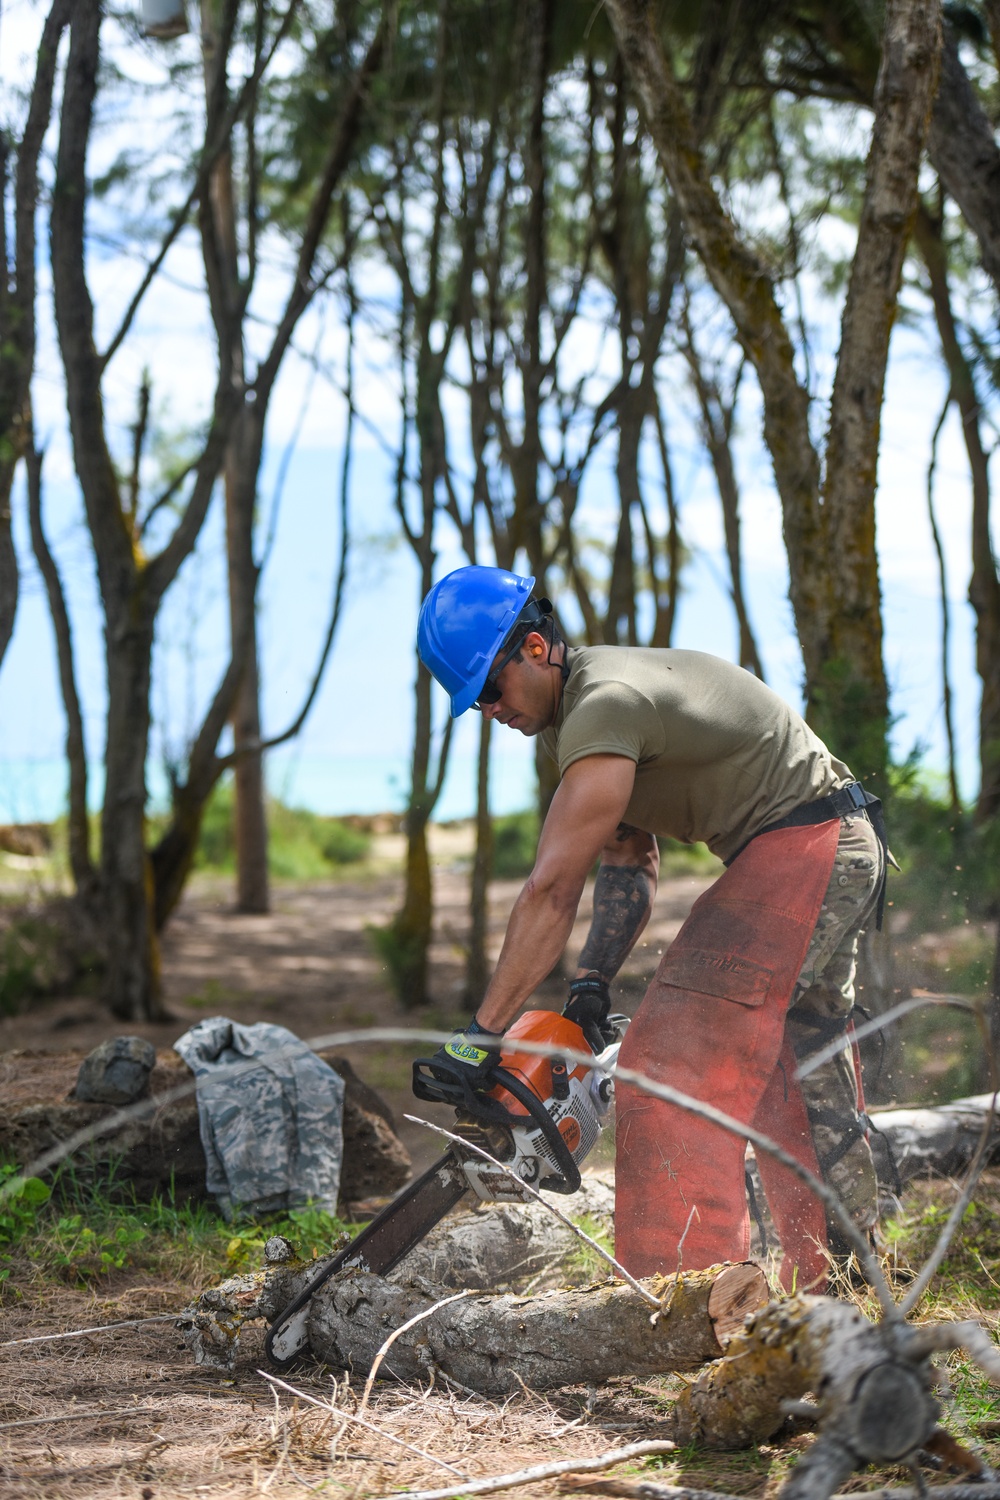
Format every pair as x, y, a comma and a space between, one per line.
489, 692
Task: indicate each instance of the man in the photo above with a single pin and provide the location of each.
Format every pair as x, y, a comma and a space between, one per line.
682, 744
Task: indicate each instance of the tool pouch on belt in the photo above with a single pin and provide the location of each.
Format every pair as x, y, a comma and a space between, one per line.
712, 1025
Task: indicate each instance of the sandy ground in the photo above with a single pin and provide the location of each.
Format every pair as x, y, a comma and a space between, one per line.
126, 1413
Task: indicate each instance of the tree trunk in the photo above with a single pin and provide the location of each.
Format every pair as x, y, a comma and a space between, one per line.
744, 286
250, 819
132, 978
964, 152
849, 700
667, 591
529, 511
502, 1247
498, 1344
875, 1395
412, 926
947, 699
477, 967
620, 622
228, 296
408, 936
17, 298
8, 559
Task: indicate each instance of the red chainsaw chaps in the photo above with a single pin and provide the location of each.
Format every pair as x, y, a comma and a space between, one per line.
712, 1025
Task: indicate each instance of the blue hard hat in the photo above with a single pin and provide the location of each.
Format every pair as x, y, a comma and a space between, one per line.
464, 621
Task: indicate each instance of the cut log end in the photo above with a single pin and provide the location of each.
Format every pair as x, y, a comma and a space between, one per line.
737, 1291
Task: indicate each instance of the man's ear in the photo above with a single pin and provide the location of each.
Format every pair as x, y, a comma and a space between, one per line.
536, 646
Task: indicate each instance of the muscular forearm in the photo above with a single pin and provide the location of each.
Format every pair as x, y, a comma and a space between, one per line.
623, 900
537, 933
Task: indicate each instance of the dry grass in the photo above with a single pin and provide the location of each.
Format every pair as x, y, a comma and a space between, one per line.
146, 1419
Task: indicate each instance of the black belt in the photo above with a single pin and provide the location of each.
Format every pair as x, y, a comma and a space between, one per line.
839, 804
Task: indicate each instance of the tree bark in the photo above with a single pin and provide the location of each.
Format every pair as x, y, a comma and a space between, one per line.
249, 812
745, 287
497, 1344
963, 149
17, 299
851, 698
228, 296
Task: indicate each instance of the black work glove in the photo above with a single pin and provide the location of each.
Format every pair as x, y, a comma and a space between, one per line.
475, 1049
589, 1005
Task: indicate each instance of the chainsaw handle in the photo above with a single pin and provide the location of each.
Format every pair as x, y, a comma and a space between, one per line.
429, 1085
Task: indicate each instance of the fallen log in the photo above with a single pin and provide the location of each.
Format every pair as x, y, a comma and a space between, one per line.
161, 1151
644, 1489
493, 1344
499, 1246
874, 1388
939, 1141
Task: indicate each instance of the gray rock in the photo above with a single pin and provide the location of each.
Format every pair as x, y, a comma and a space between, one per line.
116, 1072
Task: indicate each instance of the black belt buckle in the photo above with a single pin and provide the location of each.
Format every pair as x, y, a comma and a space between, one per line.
857, 794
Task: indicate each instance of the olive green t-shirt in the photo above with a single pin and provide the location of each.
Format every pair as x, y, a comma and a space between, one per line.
718, 755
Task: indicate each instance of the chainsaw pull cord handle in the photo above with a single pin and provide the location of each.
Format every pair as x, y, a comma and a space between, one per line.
458, 1092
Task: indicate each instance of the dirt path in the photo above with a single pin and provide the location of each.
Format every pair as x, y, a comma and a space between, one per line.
125, 1412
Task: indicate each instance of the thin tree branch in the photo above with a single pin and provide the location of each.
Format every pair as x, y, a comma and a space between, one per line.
213, 150
949, 722
80, 860
538, 1472
338, 159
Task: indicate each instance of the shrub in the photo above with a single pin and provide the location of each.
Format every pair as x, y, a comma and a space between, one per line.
515, 839
302, 845
32, 962
950, 866
342, 844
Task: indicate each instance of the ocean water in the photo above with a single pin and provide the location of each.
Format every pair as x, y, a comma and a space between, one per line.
35, 790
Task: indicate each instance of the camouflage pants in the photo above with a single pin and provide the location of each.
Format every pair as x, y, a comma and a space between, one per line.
819, 1012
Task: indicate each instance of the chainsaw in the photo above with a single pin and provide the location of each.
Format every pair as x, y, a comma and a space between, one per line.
539, 1116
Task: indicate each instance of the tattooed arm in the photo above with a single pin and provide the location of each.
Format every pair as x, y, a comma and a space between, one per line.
623, 900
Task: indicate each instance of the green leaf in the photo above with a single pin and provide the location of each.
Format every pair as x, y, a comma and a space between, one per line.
34, 1190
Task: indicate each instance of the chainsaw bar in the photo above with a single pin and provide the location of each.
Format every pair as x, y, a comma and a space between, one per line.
380, 1247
